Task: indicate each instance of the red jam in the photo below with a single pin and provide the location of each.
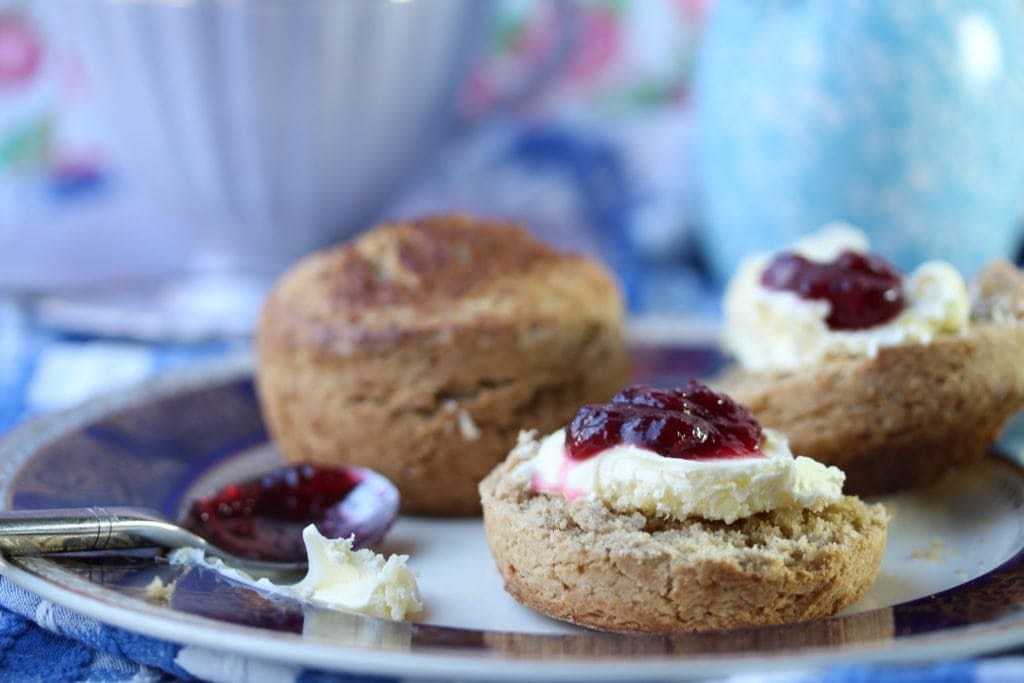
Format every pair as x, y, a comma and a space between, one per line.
864, 289
691, 423
263, 518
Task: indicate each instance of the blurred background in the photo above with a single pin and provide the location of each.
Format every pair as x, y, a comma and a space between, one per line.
123, 156
161, 162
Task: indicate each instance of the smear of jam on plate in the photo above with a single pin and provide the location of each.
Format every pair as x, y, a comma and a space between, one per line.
864, 289
692, 423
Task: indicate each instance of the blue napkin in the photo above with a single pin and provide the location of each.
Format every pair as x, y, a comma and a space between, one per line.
39, 638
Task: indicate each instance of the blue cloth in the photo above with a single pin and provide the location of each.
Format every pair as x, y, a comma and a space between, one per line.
77, 648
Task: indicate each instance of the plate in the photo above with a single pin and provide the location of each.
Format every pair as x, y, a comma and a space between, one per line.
952, 580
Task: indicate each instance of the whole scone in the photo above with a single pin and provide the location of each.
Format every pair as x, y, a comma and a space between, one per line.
911, 409
583, 563
421, 348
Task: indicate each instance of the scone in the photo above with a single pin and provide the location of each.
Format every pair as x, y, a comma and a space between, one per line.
421, 348
673, 511
895, 403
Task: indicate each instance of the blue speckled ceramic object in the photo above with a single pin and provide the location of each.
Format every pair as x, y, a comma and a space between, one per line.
905, 118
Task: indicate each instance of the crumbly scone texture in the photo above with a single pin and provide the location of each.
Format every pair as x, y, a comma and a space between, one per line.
913, 412
582, 563
421, 348
997, 293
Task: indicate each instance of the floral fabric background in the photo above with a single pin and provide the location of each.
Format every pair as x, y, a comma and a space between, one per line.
628, 56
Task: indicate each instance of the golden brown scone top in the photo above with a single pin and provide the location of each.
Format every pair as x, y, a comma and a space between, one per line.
430, 260
424, 280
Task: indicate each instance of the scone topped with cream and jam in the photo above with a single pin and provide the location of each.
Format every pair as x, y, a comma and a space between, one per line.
673, 510
894, 378
830, 297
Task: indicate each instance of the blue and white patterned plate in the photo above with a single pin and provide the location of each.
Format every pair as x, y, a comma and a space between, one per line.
952, 582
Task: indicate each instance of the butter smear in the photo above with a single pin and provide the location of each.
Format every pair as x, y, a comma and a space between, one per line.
338, 577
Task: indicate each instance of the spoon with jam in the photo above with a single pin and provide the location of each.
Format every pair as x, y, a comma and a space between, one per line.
263, 518
255, 525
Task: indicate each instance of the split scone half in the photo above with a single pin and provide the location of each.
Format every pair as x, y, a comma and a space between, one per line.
895, 404
630, 540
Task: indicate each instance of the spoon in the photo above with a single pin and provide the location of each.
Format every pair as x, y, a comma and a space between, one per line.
254, 526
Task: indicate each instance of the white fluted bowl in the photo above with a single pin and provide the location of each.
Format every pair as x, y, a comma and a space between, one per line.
266, 128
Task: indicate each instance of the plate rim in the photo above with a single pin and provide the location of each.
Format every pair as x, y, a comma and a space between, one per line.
18, 446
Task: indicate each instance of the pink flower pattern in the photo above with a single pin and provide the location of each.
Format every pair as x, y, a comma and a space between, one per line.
20, 50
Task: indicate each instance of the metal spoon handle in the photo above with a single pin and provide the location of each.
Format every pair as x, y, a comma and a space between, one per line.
40, 532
